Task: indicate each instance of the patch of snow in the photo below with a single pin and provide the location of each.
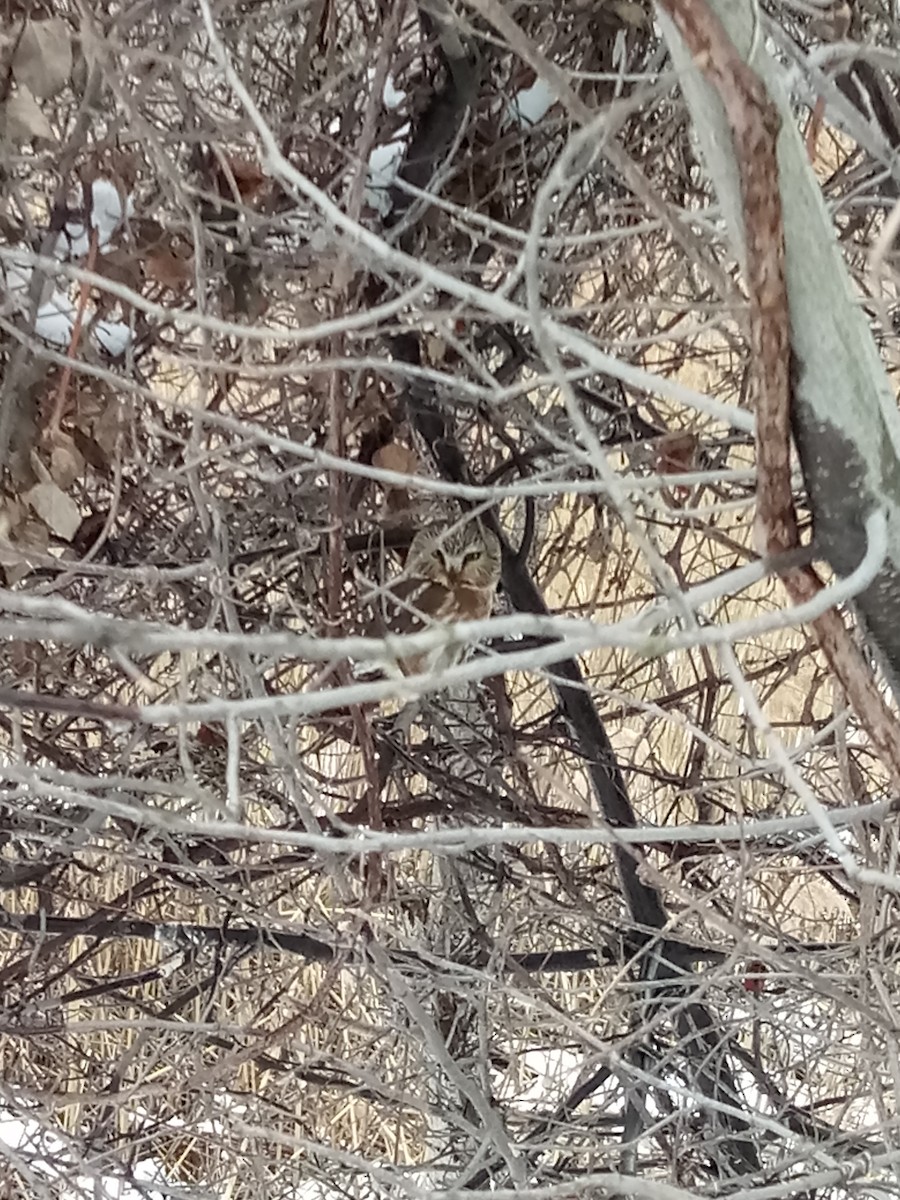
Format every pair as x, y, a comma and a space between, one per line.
107, 214
384, 167
550, 1074
56, 319
46, 1156
113, 336
531, 104
392, 96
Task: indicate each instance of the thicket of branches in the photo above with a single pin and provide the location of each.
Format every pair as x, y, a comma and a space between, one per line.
608, 908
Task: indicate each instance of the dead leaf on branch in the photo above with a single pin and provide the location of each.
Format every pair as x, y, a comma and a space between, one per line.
66, 462
630, 13
43, 58
21, 118
676, 454
23, 538
58, 511
99, 429
12, 514
396, 457
98, 435
24, 423
91, 451
163, 266
120, 265
245, 175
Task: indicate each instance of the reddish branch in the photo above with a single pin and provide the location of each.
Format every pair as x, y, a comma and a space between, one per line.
754, 122
59, 404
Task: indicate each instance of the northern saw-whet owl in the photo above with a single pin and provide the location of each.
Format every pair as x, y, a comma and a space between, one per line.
451, 575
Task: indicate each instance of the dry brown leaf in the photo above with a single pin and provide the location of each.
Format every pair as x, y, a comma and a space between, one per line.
163, 266
394, 457
247, 178
43, 61
107, 428
26, 657
631, 13
676, 453
22, 541
33, 536
66, 463
21, 118
121, 265
91, 451
24, 422
58, 511
12, 514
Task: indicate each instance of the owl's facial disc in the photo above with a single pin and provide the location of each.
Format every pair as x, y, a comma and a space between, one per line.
462, 567
457, 564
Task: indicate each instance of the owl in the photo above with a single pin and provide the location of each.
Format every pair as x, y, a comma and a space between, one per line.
451, 575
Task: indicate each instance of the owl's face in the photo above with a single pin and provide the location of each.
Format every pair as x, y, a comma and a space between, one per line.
450, 575
464, 556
